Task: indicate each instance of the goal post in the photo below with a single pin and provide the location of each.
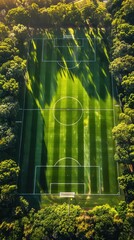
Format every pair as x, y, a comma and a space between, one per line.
67, 194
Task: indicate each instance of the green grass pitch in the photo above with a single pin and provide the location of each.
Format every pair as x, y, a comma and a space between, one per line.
68, 116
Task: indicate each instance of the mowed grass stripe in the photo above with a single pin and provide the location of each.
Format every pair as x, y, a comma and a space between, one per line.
97, 83
63, 79
29, 98
86, 138
38, 147
111, 163
75, 172
31, 162
51, 69
25, 145
76, 111
104, 147
56, 148
92, 139
75, 118
94, 128
49, 119
68, 171
80, 145
48, 134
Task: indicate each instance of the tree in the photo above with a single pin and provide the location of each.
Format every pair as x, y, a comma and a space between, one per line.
128, 86
8, 87
126, 182
7, 137
125, 32
7, 50
9, 172
85, 226
8, 109
20, 32
73, 16
4, 30
15, 68
12, 206
123, 134
126, 213
7, 4
53, 222
102, 222
121, 48
18, 15
127, 11
114, 6
122, 66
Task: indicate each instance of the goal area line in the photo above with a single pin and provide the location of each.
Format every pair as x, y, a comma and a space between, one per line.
77, 42
67, 184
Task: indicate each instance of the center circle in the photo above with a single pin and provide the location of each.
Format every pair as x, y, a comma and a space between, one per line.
68, 111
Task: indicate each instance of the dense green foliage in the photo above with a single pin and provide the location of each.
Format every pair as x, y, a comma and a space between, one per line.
19, 21
71, 222
122, 67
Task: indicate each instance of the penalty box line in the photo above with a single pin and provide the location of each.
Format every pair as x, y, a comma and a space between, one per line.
57, 61
73, 166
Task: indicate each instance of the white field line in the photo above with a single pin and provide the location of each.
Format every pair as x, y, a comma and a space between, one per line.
66, 184
61, 166
22, 119
59, 61
76, 46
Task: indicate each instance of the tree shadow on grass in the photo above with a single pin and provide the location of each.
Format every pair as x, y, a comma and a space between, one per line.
92, 67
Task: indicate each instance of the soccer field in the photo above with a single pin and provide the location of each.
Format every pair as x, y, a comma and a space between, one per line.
69, 111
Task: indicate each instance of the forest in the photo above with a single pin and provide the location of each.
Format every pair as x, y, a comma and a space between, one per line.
20, 20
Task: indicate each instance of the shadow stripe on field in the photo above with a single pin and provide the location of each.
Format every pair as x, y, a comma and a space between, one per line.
68, 171
104, 150
31, 162
92, 139
80, 146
